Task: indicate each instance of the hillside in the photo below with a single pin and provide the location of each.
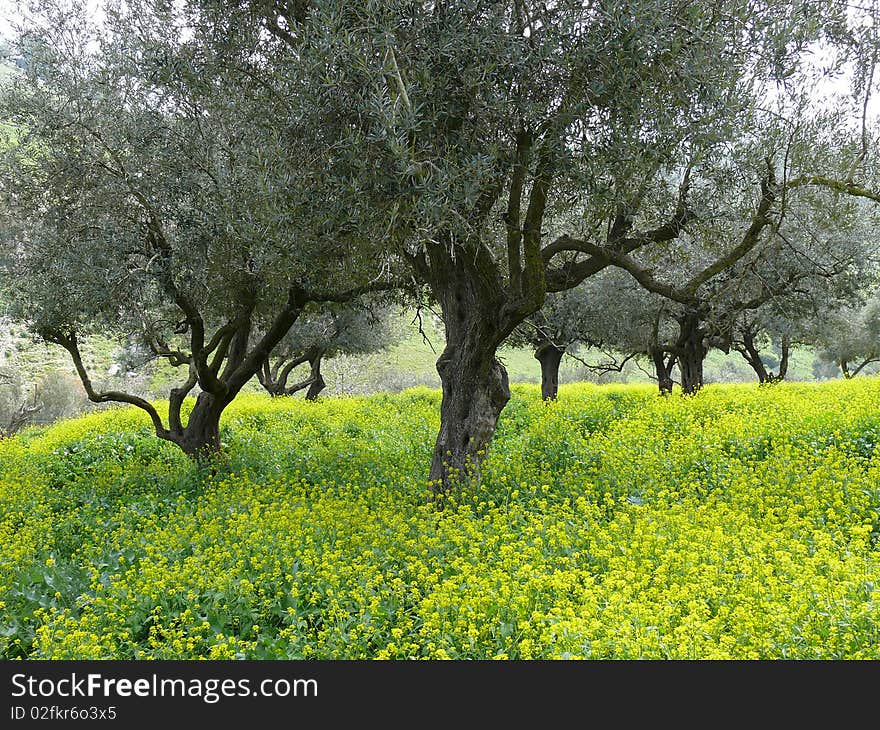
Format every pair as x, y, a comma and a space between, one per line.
740, 523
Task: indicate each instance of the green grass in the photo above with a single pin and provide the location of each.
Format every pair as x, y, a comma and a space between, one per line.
740, 523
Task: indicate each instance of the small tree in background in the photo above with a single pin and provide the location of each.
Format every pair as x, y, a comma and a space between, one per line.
798, 240
608, 312
850, 337
756, 330
18, 408
359, 327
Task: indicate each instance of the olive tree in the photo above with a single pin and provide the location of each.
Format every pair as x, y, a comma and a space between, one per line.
152, 193
608, 312
850, 337
475, 126
764, 239
754, 331
774, 223
815, 312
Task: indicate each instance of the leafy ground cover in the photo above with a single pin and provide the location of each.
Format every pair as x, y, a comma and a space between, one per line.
739, 523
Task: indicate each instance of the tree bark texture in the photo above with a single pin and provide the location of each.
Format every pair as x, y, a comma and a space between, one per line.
317, 380
474, 381
200, 438
691, 352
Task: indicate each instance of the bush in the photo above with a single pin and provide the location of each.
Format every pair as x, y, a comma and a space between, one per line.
61, 395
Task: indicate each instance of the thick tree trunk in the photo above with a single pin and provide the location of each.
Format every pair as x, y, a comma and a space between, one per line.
200, 439
690, 365
691, 353
663, 369
550, 356
317, 384
475, 390
475, 384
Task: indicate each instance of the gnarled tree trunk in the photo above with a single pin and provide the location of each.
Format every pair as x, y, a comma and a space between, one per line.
220, 366
550, 356
200, 438
691, 352
749, 350
475, 384
475, 390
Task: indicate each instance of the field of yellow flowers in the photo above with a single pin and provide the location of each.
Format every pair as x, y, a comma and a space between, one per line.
740, 523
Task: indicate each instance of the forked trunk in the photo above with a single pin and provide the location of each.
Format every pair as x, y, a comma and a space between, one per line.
274, 378
550, 356
200, 439
221, 369
663, 369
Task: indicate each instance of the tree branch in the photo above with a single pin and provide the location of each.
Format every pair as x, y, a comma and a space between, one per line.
160, 348
288, 367
749, 240
69, 343
572, 273
840, 186
176, 398
534, 284
863, 364
603, 368
512, 217
641, 274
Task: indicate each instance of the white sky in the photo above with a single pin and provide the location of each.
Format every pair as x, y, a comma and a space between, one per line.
8, 11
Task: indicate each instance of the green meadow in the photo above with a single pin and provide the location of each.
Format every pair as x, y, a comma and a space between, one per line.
738, 523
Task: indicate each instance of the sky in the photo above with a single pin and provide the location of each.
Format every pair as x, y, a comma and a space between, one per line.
8, 10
